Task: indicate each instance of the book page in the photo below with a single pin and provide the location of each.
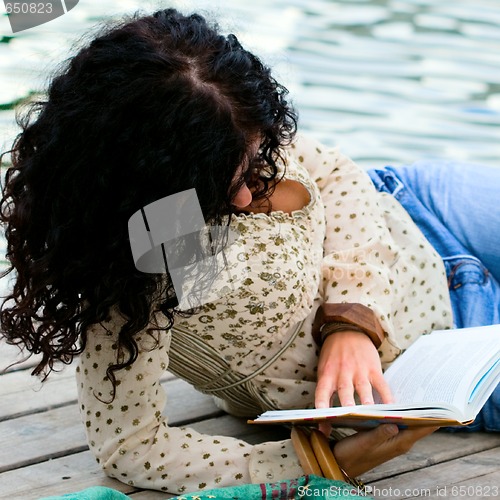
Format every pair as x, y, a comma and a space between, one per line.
441, 367
432, 383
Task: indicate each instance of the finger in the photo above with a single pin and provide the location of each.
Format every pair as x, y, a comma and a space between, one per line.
380, 434
325, 428
324, 392
405, 440
345, 391
417, 433
365, 392
382, 387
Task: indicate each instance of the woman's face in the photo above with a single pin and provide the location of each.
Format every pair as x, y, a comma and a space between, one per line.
243, 197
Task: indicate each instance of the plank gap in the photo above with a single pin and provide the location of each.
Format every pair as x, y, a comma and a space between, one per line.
36, 411
42, 459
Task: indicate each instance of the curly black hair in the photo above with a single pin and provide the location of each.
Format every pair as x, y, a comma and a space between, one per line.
152, 106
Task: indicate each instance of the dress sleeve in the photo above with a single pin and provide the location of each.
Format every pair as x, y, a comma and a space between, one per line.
131, 438
359, 251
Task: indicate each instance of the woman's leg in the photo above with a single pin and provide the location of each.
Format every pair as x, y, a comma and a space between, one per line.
466, 199
457, 206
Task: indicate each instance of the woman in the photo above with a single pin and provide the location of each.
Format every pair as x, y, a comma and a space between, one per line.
158, 106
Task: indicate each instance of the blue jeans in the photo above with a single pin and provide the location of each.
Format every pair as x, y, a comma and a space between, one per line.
457, 207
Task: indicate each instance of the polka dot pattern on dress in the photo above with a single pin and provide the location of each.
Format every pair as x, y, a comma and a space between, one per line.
349, 244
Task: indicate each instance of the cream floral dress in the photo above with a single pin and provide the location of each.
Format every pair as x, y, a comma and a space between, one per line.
252, 348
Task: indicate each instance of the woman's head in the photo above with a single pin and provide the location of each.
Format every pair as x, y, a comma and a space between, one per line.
151, 107
162, 104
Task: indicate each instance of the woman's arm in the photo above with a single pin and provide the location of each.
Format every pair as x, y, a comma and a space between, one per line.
358, 255
132, 440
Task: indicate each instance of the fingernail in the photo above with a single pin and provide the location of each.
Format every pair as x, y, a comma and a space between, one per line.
391, 429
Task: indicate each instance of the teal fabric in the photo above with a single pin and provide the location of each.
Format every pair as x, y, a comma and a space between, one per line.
304, 488
94, 493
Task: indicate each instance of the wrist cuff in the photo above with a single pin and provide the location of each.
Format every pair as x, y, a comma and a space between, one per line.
347, 316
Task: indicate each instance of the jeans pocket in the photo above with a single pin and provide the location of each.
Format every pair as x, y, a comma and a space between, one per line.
473, 292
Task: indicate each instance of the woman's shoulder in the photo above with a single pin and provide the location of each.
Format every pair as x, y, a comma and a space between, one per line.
306, 148
324, 164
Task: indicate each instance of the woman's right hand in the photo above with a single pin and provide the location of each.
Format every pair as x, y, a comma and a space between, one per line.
349, 364
365, 450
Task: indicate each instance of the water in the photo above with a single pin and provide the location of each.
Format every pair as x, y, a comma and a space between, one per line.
390, 81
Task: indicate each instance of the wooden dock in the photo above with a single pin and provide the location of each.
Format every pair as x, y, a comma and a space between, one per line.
43, 449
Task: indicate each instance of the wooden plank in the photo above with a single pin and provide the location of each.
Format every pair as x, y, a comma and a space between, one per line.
225, 425
440, 480
58, 432
21, 393
436, 448
484, 486
77, 471
80, 471
46, 431
19, 381
56, 477
10, 354
36, 437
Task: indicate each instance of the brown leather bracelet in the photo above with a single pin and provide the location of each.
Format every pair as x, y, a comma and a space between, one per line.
357, 315
328, 329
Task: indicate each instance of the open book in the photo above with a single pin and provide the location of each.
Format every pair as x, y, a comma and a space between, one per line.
443, 379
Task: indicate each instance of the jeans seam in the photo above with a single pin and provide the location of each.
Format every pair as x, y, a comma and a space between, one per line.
463, 256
